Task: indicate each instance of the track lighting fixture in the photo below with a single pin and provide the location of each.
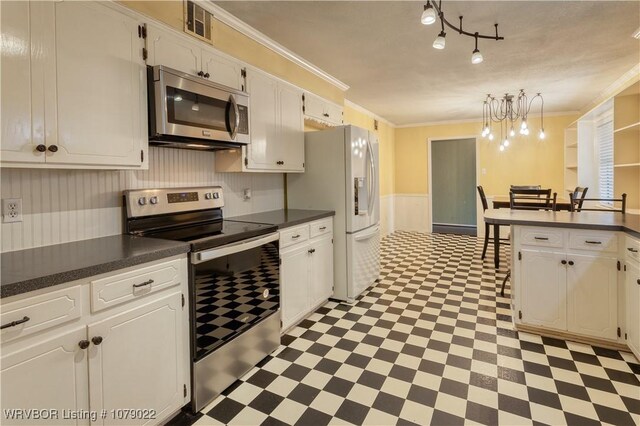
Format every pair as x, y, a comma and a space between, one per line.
506, 111
432, 11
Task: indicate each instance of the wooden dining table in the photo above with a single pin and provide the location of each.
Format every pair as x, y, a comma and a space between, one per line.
501, 202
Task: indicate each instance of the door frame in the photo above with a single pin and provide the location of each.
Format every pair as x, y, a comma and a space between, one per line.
430, 175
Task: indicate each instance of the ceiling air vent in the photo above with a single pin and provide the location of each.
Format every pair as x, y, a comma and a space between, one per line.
197, 21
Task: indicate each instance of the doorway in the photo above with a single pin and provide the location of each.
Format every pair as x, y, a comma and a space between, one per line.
453, 186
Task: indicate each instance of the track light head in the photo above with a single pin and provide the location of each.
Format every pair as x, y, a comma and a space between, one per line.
428, 15
440, 42
476, 57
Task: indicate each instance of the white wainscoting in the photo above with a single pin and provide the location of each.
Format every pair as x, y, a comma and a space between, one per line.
412, 212
70, 205
387, 214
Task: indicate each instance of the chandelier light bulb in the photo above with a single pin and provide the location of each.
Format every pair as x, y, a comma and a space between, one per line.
541, 135
429, 15
490, 136
526, 132
476, 57
440, 41
523, 126
512, 132
501, 147
506, 142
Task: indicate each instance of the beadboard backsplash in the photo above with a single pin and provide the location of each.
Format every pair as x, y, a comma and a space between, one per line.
70, 205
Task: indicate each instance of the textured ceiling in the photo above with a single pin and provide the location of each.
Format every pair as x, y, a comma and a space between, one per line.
568, 50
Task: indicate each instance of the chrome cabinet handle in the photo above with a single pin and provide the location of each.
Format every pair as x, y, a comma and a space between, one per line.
149, 282
14, 323
593, 242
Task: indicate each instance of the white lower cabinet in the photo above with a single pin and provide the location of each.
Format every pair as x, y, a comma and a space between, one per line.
543, 289
50, 377
129, 363
632, 289
567, 282
306, 272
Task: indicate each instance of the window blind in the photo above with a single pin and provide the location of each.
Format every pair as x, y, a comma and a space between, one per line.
604, 140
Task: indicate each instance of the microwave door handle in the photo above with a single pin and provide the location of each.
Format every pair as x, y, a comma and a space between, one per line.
236, 111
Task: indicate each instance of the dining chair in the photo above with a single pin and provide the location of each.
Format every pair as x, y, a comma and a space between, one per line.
530, 199
487, 227
524, 187
577, 198
598, 204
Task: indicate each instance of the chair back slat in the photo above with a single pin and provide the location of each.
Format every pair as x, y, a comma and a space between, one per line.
577, 197
533, 199
596, 204
483, 198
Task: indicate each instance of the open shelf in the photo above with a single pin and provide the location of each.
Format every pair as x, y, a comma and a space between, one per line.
627, 165
630, 128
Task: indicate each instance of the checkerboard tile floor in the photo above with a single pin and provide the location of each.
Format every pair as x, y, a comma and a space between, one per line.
431, 343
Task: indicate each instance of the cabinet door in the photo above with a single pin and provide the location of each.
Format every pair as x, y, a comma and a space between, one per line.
165, 48
334, 113
294, 285
50, 375
222, 70
263, 115
543, 285
592, 296
314, 107
99, 85
321, 271
632, 279
140, 363
290, 143
20, 105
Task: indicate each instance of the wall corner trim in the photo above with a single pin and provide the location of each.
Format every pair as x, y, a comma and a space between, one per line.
227, 18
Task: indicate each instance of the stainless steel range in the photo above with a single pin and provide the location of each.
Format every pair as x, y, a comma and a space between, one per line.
234, 281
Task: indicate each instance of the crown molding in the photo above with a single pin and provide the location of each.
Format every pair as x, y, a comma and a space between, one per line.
227, 18
624, 81
363, 110
478, 120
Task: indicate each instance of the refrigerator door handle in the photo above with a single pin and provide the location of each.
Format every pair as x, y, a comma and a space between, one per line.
368, 235
372, 186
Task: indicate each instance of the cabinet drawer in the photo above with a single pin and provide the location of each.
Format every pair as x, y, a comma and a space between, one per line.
593, 241
632, 249
542, 237
27, 316
295, 235
121, 288
321, 227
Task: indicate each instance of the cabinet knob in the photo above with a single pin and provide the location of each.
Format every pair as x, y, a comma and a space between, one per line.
200, 73
53, 148
638, 281
41, 148
311, 251
206, 75
96, 340
571, 263
84, 344
325, 114
564, 262
280, 163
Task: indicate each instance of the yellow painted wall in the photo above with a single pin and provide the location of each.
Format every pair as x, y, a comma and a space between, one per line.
236, 44
528, 161
386, 140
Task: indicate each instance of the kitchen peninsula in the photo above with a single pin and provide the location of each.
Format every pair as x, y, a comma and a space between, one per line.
575, 275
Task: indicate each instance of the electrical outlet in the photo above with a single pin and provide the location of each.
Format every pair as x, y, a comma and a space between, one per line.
12, 210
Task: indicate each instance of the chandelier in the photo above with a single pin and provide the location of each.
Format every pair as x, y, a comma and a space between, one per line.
429, 15
506, 111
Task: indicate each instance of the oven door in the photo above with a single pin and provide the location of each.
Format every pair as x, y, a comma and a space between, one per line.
189, 108
234, 288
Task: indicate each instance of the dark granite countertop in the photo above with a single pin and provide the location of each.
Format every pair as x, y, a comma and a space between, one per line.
608, 221
284, 218
33, 269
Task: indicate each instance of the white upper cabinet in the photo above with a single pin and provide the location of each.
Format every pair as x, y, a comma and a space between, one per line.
73, 83
173, 51
19, 139
263, 116
100, 87
221, 70
290, 143
322, 110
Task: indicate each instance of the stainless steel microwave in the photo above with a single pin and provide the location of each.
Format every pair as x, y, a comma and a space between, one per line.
186, 111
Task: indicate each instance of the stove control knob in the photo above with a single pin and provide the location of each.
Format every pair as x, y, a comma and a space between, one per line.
153, 200
208, 196
142, 201
216, 195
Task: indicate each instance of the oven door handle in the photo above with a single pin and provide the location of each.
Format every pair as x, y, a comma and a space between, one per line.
206, 255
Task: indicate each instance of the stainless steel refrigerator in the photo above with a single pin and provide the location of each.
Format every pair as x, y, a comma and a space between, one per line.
341, 174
